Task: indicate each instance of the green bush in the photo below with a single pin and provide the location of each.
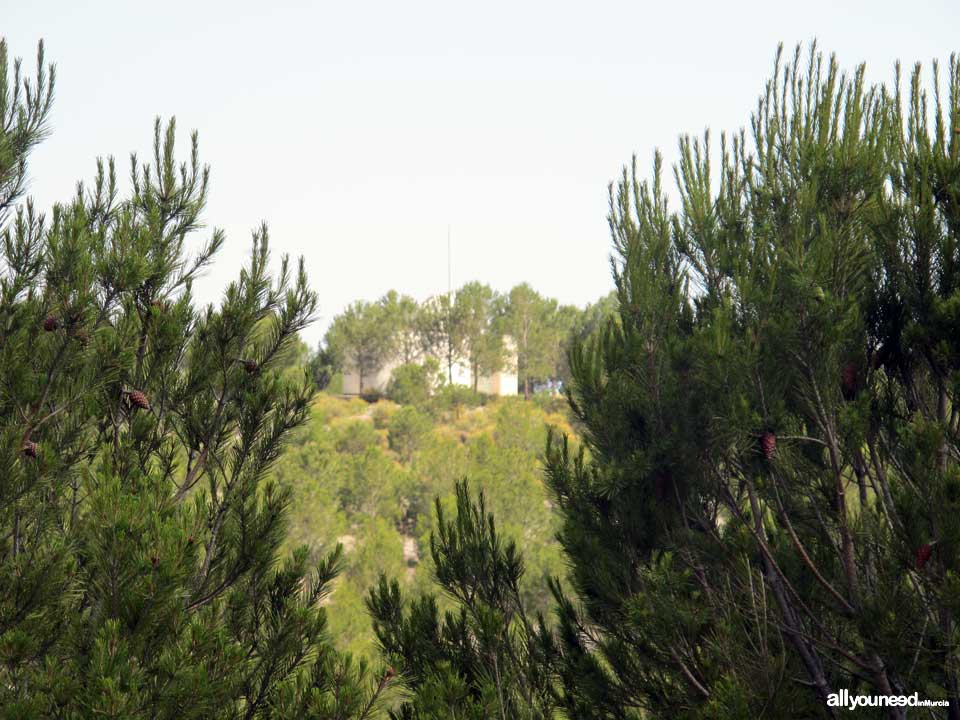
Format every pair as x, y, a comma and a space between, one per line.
413, 383
381, 414
406, 431
451, 399
372, 396
353, 438
550, 403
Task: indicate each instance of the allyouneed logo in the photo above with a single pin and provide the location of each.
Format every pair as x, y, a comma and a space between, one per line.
851, 702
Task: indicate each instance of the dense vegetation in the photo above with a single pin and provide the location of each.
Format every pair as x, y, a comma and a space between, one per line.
759, 507
140, 532
366, 475
475, 326
771, 511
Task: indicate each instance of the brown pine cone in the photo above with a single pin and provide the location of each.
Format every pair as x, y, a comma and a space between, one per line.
138, 399
51, 323
768, 443
29, 448
848, 380
923, 555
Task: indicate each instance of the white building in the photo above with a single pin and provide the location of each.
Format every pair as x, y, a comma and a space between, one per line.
505, 382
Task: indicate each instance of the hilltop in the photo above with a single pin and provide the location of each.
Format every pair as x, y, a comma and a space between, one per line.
366, 475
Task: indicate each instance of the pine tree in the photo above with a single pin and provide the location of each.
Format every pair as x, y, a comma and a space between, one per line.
485, 659
529, 320
139, 528
440, 327
478, 307
768, 509
362, 339
403, 312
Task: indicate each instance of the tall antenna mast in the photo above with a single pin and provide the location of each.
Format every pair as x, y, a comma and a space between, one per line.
449, 267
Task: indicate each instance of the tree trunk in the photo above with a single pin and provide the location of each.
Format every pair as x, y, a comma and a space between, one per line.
526, 388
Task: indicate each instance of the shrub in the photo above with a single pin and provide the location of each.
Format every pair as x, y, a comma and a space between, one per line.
453, 398
381, 414
414, 384
355, 437
406, 431
371, 396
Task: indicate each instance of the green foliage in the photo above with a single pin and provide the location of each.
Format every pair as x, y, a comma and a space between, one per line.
584, 326
403, 314
538, 328
485, 657
415, 383
322, 367
478, 309
441, 329
374, 489
474, 328
139, 530
24, 108
407, 430
361, 339
450, 400
767, 509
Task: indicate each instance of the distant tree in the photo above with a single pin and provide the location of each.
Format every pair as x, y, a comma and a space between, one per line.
362, 339
565, 320
478, 306
440, 326
139, 530
403, 312
322, 365
530, 320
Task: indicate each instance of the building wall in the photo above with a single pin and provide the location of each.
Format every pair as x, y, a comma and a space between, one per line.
501, 383
377, 381
504, 382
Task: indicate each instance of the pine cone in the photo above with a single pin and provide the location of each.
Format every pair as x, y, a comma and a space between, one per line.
251, 366
848, 380
29, 448
389, 674
768, 443
138, 399
923, 555
51, 323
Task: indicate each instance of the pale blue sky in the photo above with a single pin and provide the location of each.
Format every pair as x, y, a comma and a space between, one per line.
360, 130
